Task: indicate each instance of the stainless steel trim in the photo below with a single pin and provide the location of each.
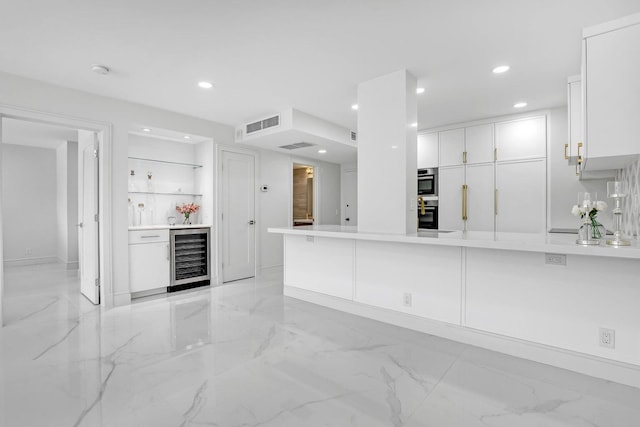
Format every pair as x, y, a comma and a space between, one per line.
172, 242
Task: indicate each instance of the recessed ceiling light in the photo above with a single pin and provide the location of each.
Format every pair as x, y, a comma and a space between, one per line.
322, 151
100, 69
501, 69
414, 125
186, 137
420, 90
394, 146
354, 107
205, 85
146, 130
519, 105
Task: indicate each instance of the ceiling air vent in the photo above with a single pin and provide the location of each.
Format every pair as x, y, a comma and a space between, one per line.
297, 145
263, 124
354, 136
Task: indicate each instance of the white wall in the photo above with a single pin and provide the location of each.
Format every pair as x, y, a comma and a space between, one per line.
30, 94
29, 204
67, 202
564, 185
275, 205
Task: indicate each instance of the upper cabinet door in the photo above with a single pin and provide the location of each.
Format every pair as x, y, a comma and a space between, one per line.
612, 95
428, 150
451, 147
521, 139
479, 143
574, 107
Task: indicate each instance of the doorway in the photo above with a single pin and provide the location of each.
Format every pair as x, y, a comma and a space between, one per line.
303, 206
237, 215
45, 166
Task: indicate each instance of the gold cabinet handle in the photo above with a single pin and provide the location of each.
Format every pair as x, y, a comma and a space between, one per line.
495, 202
464, 202
579, 155
464, 157
566, 155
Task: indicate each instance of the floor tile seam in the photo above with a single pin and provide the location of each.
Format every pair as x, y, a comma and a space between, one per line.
436, 385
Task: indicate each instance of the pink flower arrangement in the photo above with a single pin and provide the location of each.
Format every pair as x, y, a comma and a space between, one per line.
187, 209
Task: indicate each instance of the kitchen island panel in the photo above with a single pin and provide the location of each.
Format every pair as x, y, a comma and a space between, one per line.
319, 264
516, 294
415, 279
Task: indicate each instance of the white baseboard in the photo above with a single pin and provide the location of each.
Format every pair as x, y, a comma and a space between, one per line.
30, 261
619, 372
269, 270
122, 298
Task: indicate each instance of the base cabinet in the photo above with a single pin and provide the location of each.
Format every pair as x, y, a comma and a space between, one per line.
149, 260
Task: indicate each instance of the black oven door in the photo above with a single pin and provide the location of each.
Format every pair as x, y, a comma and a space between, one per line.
428, 220
427, 182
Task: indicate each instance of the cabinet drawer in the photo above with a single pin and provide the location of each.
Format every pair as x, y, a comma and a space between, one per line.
148, 236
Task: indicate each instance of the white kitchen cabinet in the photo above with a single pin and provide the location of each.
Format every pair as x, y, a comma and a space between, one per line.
611, 66
480, 194
521, 139
451, 180
427, 150
521, 190
479, 144
149, 260
574, 111
451, 147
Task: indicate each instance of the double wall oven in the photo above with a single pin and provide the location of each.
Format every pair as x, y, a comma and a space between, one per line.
428, 199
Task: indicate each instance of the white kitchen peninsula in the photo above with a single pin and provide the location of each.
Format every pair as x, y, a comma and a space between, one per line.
536, 296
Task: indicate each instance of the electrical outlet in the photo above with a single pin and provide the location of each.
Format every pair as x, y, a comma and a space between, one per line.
406, 299
607, 337
555, 259
28, 251
310, 239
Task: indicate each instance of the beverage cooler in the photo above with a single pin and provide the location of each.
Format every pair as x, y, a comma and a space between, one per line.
190, 259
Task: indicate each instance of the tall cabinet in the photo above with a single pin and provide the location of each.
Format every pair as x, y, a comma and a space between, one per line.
466, 178
493, 176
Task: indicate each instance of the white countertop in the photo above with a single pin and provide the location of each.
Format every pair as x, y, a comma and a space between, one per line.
169, 227
528, 242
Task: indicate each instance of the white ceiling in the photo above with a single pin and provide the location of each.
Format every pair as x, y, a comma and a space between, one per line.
270, 55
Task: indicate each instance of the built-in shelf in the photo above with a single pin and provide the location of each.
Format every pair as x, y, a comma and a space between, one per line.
162, 193
194, 166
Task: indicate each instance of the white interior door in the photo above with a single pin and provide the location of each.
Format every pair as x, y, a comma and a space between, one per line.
88, 215
350, 198
238, 216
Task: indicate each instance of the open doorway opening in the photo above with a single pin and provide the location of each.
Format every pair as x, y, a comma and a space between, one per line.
303, 208
45, 219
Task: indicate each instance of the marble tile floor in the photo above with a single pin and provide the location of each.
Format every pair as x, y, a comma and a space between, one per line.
243, 355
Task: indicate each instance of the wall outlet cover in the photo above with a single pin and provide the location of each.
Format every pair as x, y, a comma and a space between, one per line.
607, 337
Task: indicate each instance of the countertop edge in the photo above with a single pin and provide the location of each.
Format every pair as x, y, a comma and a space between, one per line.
168, 227
549, 243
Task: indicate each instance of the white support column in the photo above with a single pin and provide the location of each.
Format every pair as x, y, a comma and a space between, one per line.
387, 150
